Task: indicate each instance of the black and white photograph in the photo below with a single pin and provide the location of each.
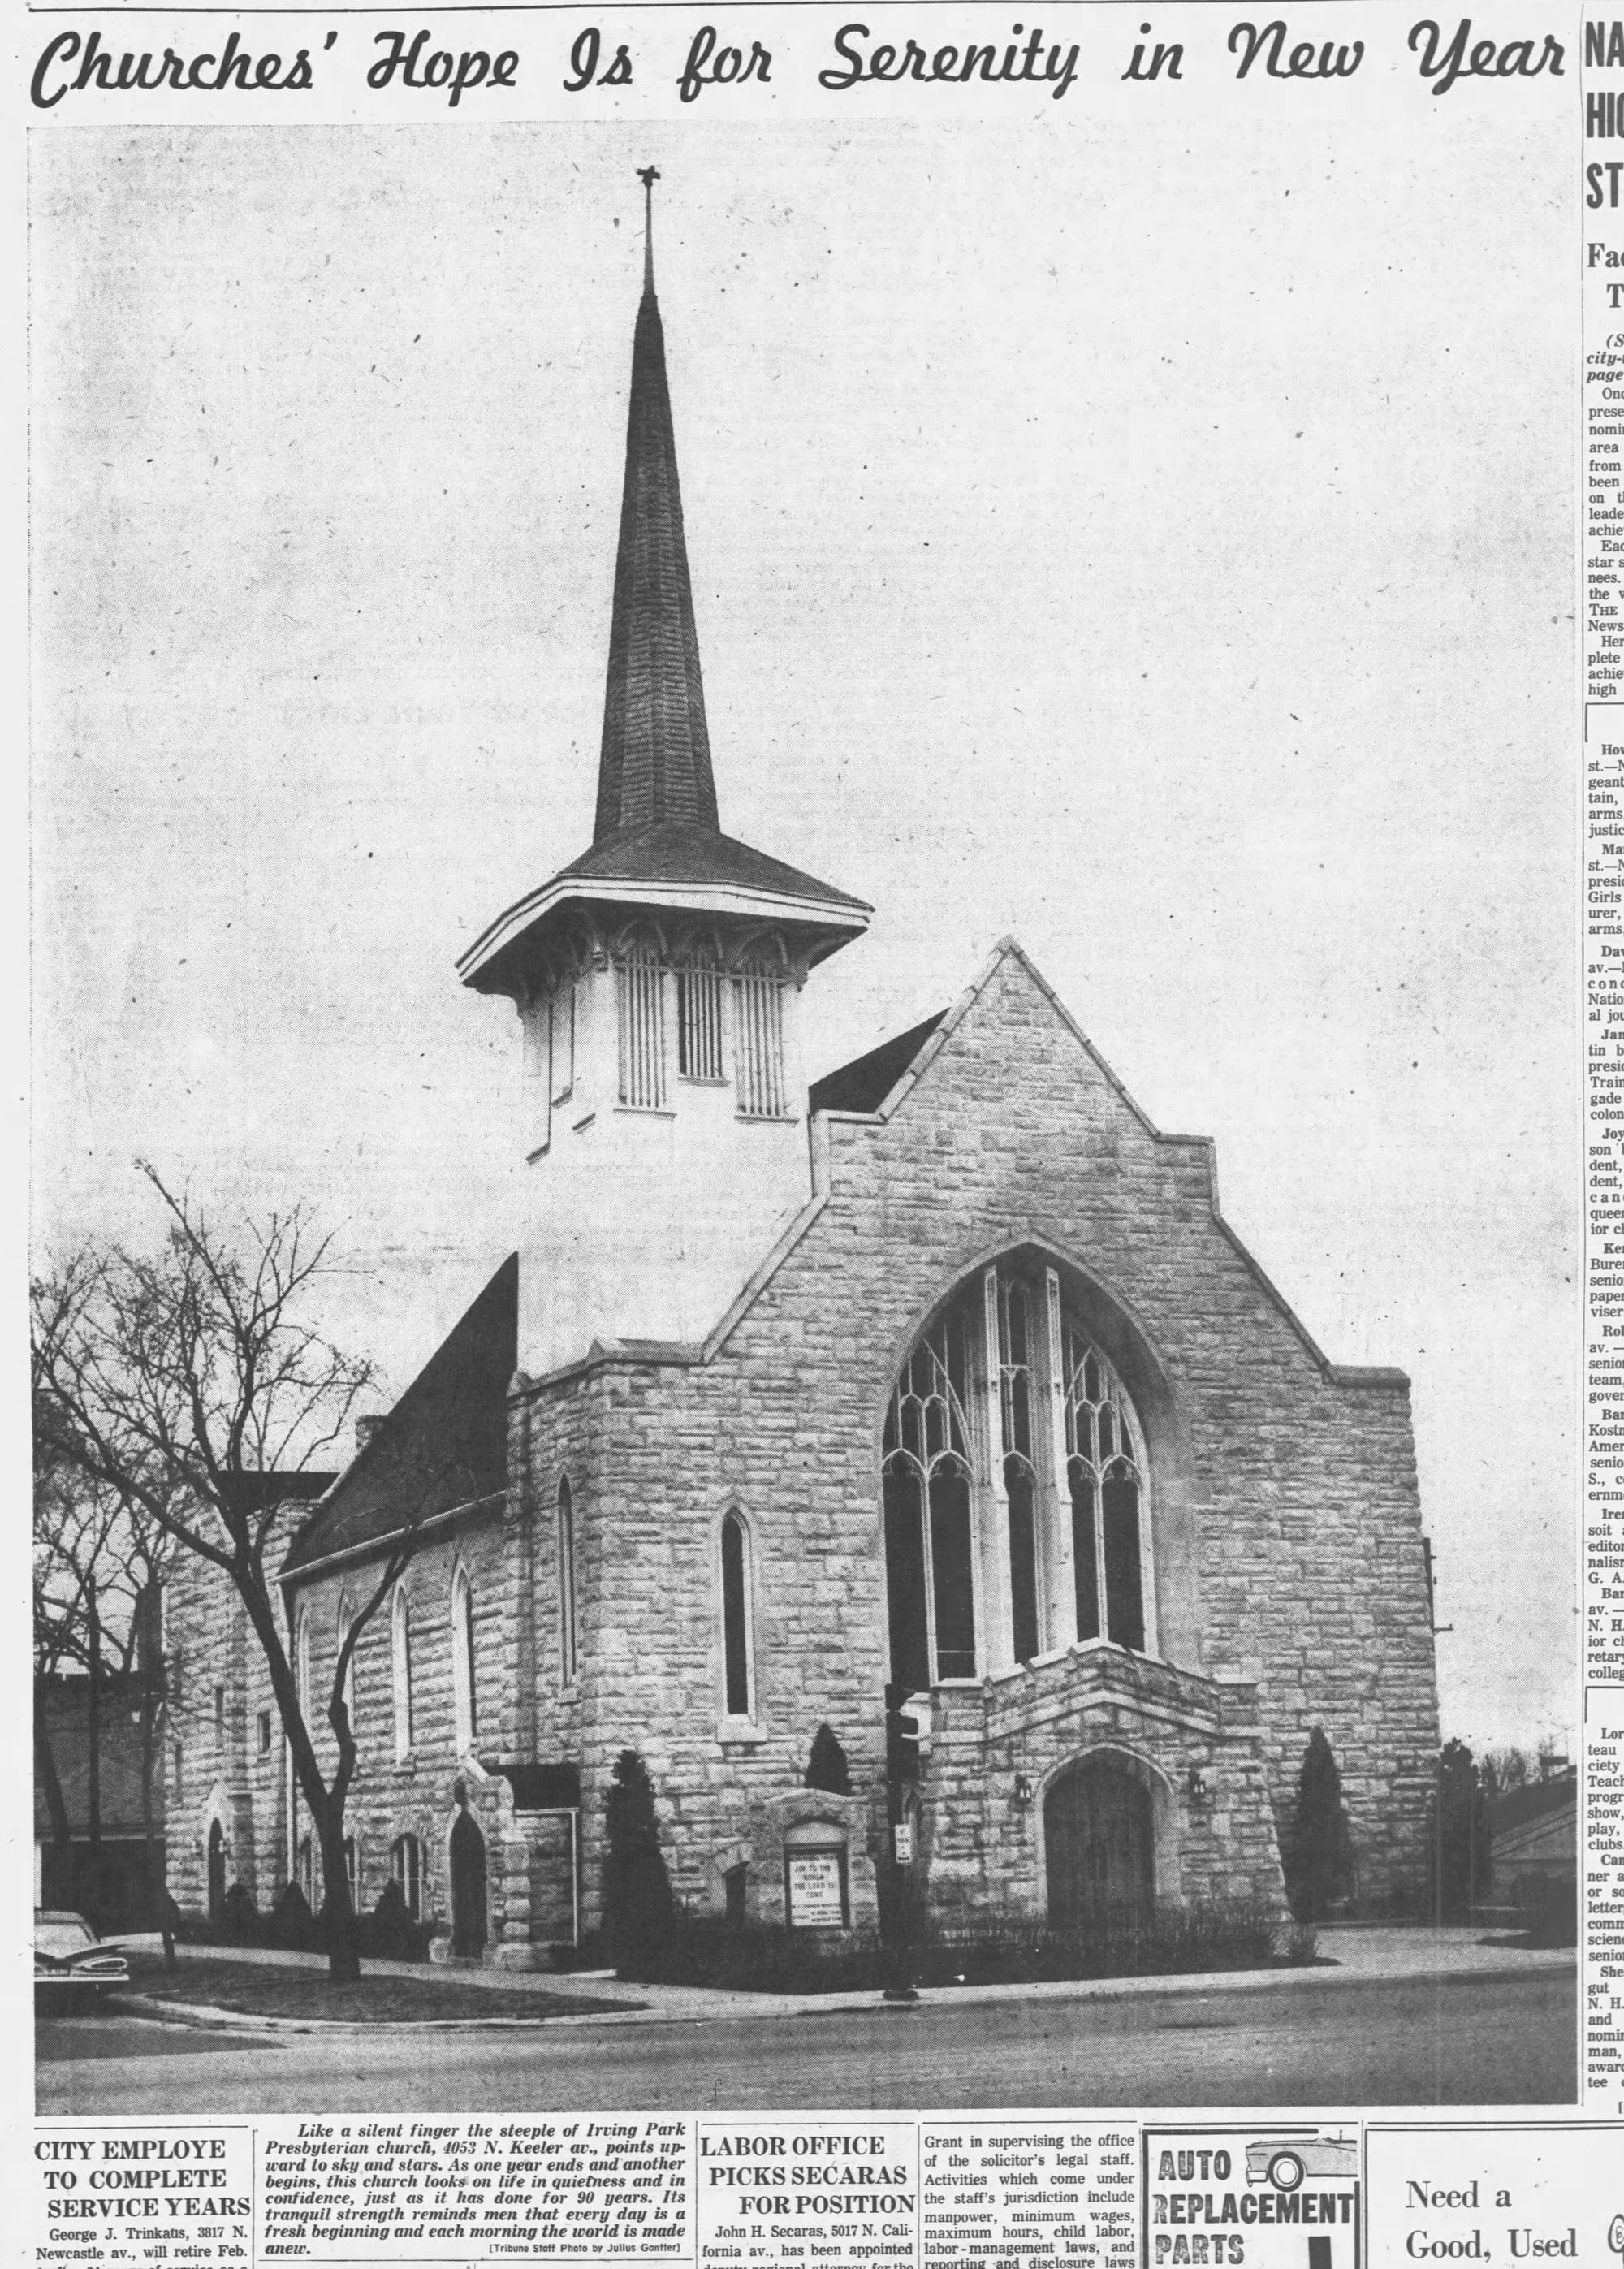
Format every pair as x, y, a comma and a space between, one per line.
805, 1083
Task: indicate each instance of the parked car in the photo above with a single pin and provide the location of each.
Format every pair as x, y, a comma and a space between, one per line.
1287, 2165
71, 1965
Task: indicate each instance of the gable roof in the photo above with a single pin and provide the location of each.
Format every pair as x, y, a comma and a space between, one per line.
911, 1053
1532, 1801
443, 1445
864, 1083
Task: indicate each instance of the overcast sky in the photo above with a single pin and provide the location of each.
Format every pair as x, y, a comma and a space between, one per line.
1152, 541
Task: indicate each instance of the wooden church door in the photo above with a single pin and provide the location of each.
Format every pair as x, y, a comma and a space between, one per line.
1099, 1838
468, 1888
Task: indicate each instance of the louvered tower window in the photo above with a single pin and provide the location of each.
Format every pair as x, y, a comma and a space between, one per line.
699, 1020
640, 987
758, 1045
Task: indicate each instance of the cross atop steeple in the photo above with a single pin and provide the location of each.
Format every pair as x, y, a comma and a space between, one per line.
648, 175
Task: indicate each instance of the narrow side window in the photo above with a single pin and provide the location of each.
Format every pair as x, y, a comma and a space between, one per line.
566, 1585
736, 1650
399, 1663
464, 1682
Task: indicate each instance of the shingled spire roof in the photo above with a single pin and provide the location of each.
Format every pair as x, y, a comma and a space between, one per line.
656, 842
655, 763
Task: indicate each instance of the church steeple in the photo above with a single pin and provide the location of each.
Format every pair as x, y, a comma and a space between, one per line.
655, 761
658, 980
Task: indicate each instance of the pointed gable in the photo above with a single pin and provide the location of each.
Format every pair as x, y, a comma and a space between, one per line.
444, 1444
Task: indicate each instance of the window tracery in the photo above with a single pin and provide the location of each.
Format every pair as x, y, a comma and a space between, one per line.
927, 1471
1015, 1397
1104, 1476
1010, 1448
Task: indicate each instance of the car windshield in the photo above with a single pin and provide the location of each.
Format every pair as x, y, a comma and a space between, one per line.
62, 1934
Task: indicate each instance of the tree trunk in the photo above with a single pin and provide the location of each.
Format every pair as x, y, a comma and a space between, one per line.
156, 1887
55, 1804
338, 1917
92, 1762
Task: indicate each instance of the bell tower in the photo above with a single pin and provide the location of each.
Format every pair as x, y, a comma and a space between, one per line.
657, 978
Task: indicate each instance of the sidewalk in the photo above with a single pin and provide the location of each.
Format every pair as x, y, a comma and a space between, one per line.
1362, 1955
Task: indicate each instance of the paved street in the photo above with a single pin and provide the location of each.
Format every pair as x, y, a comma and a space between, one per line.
1490, 2039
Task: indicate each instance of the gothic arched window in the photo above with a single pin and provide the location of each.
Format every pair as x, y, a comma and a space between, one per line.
301, 1663
1015, 1402
400, 1669
1104, 1469
406, 1868
737, 1663
464, 1685
346, 1618
927, 1492
566, 1587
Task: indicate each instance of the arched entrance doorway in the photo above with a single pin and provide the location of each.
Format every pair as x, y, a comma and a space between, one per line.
217, 1873
1100, 1839
468, 1888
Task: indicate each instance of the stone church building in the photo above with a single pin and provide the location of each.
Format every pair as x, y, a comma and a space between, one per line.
944, 1371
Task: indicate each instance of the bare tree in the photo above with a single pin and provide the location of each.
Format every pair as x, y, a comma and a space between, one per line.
176, 1382
99, 1562
1504, 1770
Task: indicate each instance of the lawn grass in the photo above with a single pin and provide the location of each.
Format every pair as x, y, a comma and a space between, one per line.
260, 1989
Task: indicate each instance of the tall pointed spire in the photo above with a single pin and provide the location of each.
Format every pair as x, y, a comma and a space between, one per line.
655, 762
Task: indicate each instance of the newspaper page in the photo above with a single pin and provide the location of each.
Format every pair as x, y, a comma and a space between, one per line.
714, 695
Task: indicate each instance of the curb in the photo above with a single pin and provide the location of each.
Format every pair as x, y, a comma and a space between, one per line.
205, 2017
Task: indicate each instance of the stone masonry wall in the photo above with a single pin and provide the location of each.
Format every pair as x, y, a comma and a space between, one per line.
233, 1780
1302, 1570
1298, 1563
415, 1795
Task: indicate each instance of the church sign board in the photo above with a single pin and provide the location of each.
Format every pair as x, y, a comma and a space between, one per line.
815, 1888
